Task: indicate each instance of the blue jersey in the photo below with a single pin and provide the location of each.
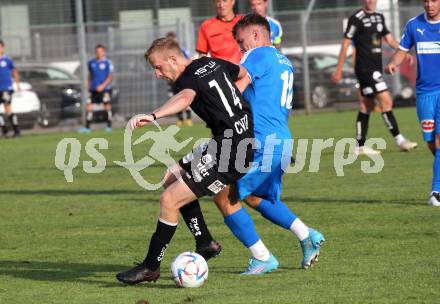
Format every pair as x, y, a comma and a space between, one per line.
276, 31
424, 35
99, 71
6, 67
270, 93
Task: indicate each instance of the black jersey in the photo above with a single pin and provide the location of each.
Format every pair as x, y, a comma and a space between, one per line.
366, 30
218, 102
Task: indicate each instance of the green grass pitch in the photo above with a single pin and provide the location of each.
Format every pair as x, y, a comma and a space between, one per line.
63, 242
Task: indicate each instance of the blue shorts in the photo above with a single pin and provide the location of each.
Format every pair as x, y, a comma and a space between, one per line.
264, 179
428, 111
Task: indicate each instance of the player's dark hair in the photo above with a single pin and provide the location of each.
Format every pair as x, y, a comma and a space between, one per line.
99, 46
2, 43
251, 19
171, 35
161, 45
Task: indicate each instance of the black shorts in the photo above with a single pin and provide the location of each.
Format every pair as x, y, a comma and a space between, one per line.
6, 97
100, 97
202, 172
371, 82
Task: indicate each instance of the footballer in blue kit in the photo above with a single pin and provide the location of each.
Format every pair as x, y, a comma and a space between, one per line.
7, 73
423, 33
100, 86
276, 31
267, 84
269, 90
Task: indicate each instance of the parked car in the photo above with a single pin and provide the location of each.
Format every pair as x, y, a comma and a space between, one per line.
59, 92
26, 105
325, 93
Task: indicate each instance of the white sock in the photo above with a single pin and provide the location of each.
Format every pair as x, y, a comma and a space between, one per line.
301, 231
259, 251
399, 139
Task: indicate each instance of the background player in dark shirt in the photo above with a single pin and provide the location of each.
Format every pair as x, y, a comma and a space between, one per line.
7, 72
366, 28
207, 85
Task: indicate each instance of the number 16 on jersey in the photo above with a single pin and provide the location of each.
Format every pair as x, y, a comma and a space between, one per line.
287, 94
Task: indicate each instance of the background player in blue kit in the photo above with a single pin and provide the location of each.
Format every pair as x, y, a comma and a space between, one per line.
423, 32
100, 79
276, 31
270, 71
7, 72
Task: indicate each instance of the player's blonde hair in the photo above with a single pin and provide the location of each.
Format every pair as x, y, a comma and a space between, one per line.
164, 45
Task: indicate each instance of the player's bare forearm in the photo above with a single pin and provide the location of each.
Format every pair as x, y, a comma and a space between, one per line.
398, 57
16, 77
395, 61
337, 75
343, 52
176, 104
392, 42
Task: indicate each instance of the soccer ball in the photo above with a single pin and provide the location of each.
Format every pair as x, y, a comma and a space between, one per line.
189, 269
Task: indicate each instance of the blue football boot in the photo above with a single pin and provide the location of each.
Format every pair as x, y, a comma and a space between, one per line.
259, 267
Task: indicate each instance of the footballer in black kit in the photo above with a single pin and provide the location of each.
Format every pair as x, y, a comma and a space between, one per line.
366, 30
210, 167
207, 86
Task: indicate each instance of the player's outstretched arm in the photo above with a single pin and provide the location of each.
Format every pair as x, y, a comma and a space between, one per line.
337, 74
174, 105
395, 61
392, 42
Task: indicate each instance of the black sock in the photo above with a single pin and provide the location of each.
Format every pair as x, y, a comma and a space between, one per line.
89, 118
109, 118
14, 122
188, 114
362, 128
180, 115
159, 244
194, 220
391, 123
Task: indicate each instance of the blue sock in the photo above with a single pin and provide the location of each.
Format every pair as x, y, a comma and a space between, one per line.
277, 212
436, 172
242, 226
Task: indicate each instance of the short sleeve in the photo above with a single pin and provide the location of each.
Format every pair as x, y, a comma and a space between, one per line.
255, 63
110, 67
385, 30
187, 81
352, 27
11, 64
89, 66
232, 69
202, 41
407, 41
